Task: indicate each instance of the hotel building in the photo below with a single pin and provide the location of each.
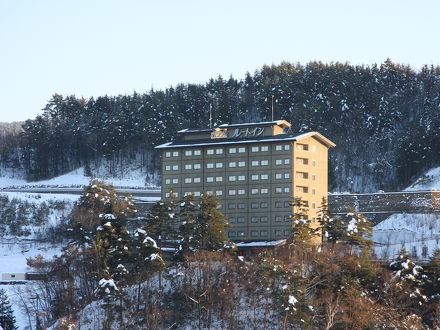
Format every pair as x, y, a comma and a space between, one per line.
255, 170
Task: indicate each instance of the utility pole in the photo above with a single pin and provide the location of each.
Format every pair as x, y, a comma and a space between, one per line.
272, 109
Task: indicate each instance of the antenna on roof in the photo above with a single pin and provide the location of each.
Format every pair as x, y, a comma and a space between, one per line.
272, 108
210, 115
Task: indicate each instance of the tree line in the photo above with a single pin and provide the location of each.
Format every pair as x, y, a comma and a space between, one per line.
390, 109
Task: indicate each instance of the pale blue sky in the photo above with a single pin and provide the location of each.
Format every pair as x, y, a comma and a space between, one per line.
92, 48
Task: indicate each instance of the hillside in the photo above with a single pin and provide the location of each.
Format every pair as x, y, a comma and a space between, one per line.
384, 119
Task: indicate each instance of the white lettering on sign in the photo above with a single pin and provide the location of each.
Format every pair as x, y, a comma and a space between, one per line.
248, 132
219, 134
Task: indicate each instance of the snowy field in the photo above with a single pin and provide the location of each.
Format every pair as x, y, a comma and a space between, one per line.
76, 178
429, 181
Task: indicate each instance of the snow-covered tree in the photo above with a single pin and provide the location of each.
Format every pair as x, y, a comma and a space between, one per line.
302, 232
187, 216
7, 318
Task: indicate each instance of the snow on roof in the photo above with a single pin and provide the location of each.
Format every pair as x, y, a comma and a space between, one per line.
261, 244
263, 123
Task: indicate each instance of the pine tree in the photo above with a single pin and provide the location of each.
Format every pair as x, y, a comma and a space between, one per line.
161, 221
7, 318
210, 233
302, 232
432, 281
187, 217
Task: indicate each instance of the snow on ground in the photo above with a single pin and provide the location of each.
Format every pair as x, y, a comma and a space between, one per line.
429, 181
419, 234
76, 178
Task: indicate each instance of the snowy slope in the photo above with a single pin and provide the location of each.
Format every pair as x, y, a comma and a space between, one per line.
133, 179
429, 181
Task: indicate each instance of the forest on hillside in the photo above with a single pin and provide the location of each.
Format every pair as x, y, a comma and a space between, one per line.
384, 119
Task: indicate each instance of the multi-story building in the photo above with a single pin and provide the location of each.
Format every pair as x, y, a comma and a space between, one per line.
255, 170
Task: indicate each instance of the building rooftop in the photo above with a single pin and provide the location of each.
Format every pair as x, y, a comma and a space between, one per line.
282, 123
227, 141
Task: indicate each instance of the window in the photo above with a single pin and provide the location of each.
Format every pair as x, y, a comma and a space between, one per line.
286, 218
254, 233
286, 204
313, 191
278, 190
264, 162
188, 152
263, 219
240, 219
232, 178
241, 206
196, 180
219, 151
218, 179
175, 167
168, 154
286, 175
210, 152
302, 189
197, 193
254, 205
242, 149
241, 178
209, 193
197, 166
254, 177
231, 206
167, 181
264, 176
286, 190
254, 219
219, 192
220, 207
197, 152
175, 181
300, 146
188, 166
231, 219
232, 150
305, 203
264, 205
210, 165
254, 191
210, 179
240, 233
175, 153
314, 219
278, 147
264, 148
241, 191
278, 162
232, 164
168, 168
264, 190
287, 147
218, 165
278, 176
278, 204
278, 218
263, 233
314, 177
241, 164
302, 175
314, 163
302, 161
287, 232
232, 234
171, 194
188, 180
232, 192
255, 163
255, 149
313, 205
286, 161
277, 233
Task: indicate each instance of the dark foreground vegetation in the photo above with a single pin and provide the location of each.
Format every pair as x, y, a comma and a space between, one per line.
179, 270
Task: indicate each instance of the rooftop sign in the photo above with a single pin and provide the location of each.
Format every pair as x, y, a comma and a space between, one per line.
222, 133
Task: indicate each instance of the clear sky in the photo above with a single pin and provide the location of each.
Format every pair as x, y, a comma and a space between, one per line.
93, 47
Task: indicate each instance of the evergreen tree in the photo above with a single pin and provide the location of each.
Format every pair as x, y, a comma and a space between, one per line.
302, 232
161, 221
432, 280
7, 318
210, 233
187, 217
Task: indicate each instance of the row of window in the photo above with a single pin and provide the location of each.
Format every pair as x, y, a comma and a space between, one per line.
231, 150
235, 192
254, 163
231, 178
259, 233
